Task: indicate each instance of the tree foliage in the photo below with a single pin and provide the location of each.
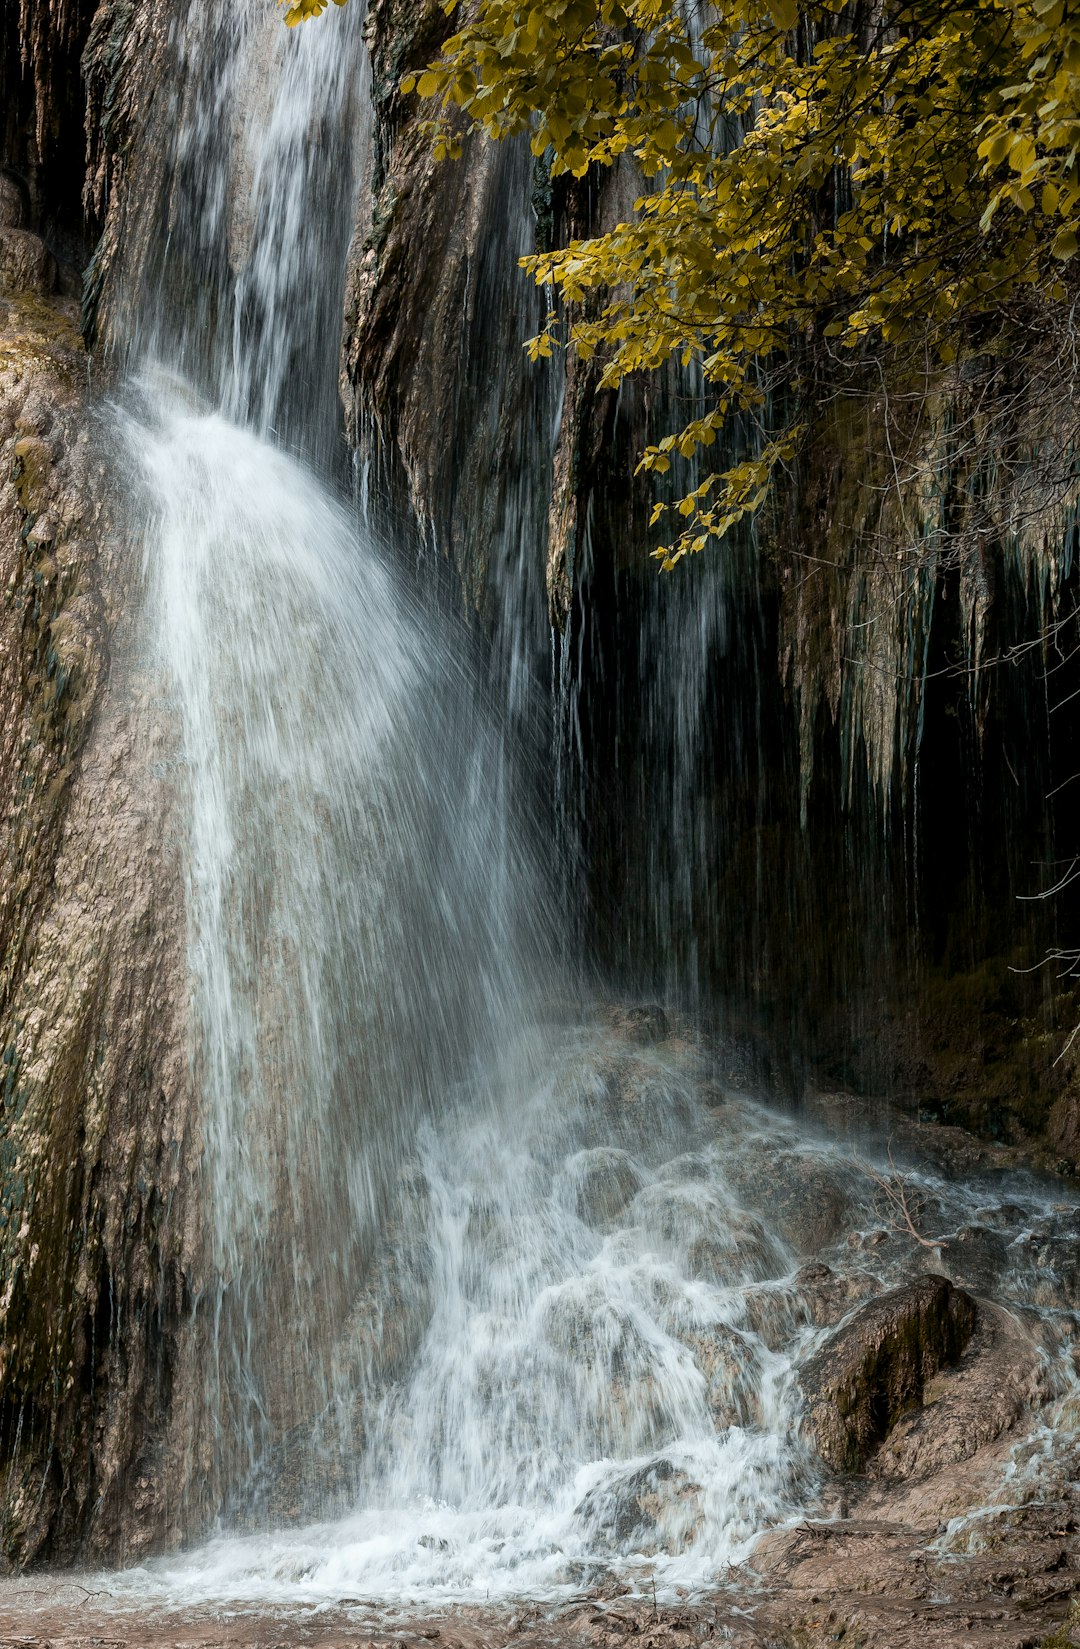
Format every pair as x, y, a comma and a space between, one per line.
819, 179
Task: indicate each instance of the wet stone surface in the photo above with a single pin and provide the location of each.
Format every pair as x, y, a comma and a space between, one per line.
869, 1584
874, 1370
603, 1349
591, 1367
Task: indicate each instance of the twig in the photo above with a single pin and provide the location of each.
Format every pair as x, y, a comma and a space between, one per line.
896, 1187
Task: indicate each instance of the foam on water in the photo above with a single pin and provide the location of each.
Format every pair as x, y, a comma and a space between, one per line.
600, 1320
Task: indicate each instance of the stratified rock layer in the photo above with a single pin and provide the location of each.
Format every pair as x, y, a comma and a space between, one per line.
94, 1070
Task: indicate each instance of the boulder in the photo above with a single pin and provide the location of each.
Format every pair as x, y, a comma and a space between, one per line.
805, 1197
601, 1182
657, 1508
829, 1295
975, 1258
817, 1293
645, 1023
1063, 1129
874, 1368
732, 1370
1001, 1376
1054, 1262
13, 204
26, 264
597, 1333
775, 1313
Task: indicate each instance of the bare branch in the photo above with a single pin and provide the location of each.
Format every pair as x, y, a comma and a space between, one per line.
904, 1203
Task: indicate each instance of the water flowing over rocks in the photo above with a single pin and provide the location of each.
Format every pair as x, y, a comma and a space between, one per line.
875, 1368
657, 1508
354, 1263
501, 1338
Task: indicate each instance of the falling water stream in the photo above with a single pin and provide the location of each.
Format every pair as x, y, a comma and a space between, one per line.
491, 1304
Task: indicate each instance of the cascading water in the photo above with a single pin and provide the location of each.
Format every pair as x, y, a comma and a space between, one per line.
352, 892
364, 926
578, 1354
487, 1308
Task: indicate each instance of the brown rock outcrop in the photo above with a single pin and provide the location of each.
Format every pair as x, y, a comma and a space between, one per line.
131, 100
13, 207
874, 1369
657, 1508
26, 264
434, 376
830, 1295
492, 456
998, 1379
93, 1131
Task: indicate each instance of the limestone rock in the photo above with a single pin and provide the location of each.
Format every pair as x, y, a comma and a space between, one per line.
877, 1583
801, 1195
1000, 1376
434, 276
96, 1133
644, 1022
975, 1257
26, 264
601, 1182
657, 1508
874, 1369
419, 284
731, 1367
1063, 1128
13, 208
708, 1237
1053, 1258
777, 1311
828, 1295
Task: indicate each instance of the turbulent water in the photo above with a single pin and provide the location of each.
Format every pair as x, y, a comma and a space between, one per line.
590, 1307
488, 1306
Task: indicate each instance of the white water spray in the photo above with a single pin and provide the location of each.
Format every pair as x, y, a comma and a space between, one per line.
354, 936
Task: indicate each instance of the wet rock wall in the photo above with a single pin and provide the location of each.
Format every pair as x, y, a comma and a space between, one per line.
815, 785
94, 1135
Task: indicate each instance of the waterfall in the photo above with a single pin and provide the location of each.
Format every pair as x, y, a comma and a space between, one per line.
492, 1303
366, 925
355, 903
575, 1360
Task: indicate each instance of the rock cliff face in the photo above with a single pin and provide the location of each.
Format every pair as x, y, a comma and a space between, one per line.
41, 114
94, 1243
509, 470
433, 373
821, 775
